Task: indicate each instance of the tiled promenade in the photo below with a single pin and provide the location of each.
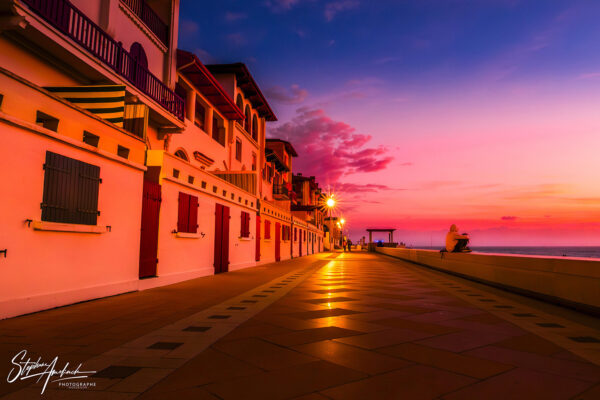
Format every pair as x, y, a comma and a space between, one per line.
343, 326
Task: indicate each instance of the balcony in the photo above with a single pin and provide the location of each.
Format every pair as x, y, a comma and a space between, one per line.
69, 20
281, 192
149, 18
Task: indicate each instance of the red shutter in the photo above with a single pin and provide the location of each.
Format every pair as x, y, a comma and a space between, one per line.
193, 215
183, 214
267, 229
245, 225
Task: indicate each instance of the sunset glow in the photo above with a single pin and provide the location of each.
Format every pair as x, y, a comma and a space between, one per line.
423, 114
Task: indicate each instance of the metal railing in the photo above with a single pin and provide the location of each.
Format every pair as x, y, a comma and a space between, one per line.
76, 25
149, 18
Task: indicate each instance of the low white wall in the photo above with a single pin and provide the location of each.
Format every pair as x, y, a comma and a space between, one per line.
567, 281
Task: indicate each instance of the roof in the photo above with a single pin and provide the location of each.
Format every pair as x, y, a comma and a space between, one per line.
190, 66
288, 146
248, 85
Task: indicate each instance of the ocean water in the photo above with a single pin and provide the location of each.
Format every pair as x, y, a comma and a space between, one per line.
553, 251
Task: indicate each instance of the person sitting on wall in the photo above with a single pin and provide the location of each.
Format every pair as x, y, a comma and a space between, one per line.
456, 243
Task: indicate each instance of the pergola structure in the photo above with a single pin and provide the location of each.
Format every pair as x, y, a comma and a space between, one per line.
390, 242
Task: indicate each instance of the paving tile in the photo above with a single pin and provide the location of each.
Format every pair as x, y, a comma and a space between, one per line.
522, 384
310, 335
403, 307
530, 343
383, 338
286, 383
322, 313
337, 290
466, 340
116, 372
415, 325
352, 357
262, 354
573, 369
208, 367
471, 366
329, 300
414, 383
590, 394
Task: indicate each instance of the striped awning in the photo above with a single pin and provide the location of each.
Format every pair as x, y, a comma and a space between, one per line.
106, 101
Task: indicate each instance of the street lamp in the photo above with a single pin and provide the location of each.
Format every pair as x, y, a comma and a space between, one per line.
330, 203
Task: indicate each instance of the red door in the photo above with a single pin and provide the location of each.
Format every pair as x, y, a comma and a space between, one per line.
151, 198
277, 241
257, 238
299, 242
221, 239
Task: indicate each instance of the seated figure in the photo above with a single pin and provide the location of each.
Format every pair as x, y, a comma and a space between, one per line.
456, 243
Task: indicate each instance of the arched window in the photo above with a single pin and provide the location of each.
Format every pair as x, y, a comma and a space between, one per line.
181, 154
254, 128
138, 63
247, 120
138, 54
239, 102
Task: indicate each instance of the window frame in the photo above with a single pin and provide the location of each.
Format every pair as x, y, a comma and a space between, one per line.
70, 199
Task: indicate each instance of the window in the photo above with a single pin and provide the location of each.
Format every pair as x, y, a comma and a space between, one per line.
218, 130
182, 92
285, 234
245, 225
181, 154
187, 215
90, 138
190, 179
70, 190
295, 234
47, 121
238, 149
239, 102
247, 126
123, 152
175, 173
200, 115
255, 128
267, 229
253, 161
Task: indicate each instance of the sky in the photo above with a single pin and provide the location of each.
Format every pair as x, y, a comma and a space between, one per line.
422, 113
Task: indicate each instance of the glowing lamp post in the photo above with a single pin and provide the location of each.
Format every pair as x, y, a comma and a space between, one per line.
330, 203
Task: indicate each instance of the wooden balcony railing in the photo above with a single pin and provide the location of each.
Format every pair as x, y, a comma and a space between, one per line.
76, 25
149, 18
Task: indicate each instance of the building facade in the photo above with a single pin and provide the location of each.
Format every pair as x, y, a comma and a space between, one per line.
127, 163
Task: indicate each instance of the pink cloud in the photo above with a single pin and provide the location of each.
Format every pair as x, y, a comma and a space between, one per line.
330, 149
293, 95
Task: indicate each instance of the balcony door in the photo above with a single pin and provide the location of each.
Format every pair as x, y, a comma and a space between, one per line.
221, 239
277, 241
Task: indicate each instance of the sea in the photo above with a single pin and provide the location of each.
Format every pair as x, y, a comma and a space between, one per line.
552, 251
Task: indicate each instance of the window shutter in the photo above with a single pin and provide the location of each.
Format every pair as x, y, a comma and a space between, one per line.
87, 199
193, 214
70, 190
183, 214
